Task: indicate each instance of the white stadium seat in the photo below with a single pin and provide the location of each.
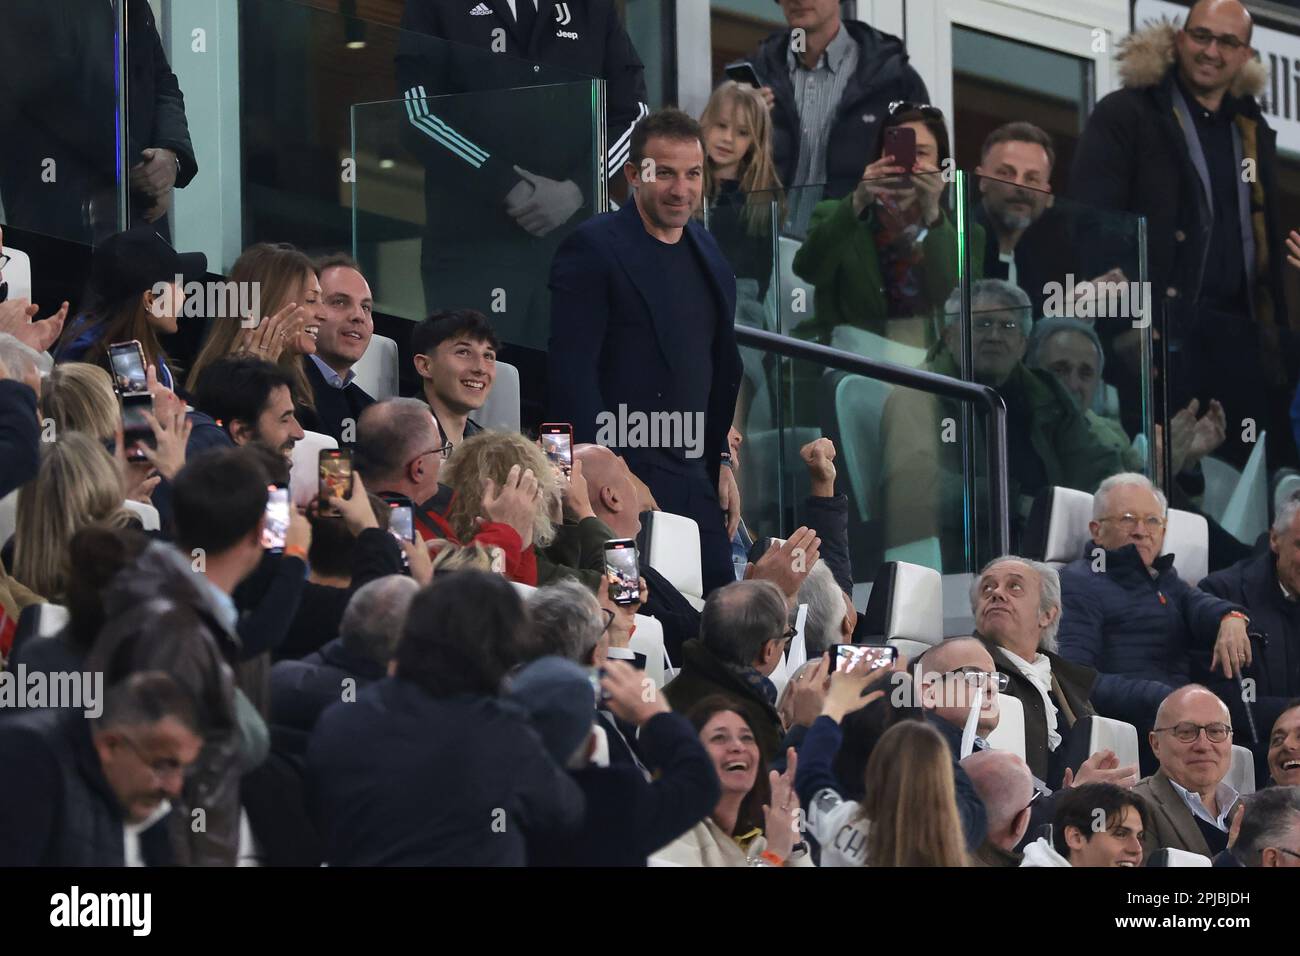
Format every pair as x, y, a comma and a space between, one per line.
673, 549
1117, 736
1241, 775
1010, 731
905, 609
500, 410
377, 371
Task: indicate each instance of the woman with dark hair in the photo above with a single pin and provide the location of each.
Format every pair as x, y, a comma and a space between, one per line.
756, 820
429, 767
884, 258
136, 293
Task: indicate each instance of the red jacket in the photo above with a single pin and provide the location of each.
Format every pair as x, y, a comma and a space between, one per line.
430, 520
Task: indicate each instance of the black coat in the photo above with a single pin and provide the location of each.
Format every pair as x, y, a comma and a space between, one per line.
59, 808
1075, 682
703, 675
20, 436
614, 342
879, 80
57, 102
401, 778
302, 690
334, 405
627, 818
1133, 157
1253, 585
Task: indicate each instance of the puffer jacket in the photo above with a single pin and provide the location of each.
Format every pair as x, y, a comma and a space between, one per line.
1144, 635
161, 616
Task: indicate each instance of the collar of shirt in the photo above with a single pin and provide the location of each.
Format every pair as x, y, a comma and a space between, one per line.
223, 604
832, 57
332, 378
1225, 794
1285, 593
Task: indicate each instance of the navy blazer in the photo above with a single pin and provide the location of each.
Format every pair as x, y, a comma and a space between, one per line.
613, 340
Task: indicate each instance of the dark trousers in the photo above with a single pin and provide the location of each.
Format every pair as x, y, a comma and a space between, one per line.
691, 494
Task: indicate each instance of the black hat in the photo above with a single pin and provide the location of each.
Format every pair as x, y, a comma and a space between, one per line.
131, 263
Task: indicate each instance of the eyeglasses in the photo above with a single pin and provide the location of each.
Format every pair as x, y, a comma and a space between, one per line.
1006, 326
1282, 849
1203, 37
907, 106
5, 260
164, 768
1188, 732
977, 678
1129, 521
609, 618
444, 451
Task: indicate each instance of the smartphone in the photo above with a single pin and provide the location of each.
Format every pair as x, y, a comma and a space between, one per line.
852, 657
557, 442
127, 360
276, 526
135, 429
335, 477
900, 142
743, 72
401, 523
594, 674
621, 562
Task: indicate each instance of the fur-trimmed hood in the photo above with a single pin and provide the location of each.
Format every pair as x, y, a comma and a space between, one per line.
1145, 55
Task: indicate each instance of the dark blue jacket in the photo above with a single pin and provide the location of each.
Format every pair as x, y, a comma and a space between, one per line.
402, 778
614, 341
20, 436
627, 818
1252, 583
1144, 636
302, 690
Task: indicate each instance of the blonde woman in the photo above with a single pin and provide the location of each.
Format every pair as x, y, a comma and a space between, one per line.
480, 472
79, 484
289, 293
740, 179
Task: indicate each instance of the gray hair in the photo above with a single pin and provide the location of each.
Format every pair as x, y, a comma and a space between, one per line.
1124, 478
1286, 513
1044, 329
388, 435
1049, 594
826, 609
740, 617
1003, 781
21, 359
373, 620
1272, 819
567, 620
988, 295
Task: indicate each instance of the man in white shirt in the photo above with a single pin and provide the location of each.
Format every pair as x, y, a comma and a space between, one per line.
1017, 608
1189, 803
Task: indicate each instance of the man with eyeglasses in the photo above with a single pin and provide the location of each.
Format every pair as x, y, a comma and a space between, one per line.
1049, 440
1186, 144
91, 791
1126, 613
1189, 802
399, 453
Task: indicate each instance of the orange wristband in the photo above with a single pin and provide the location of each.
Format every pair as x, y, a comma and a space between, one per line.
296, 551
772, 858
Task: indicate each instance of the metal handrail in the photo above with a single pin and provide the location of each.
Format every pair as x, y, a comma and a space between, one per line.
931, 382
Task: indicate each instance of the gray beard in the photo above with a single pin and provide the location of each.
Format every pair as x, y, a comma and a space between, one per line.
1012, 222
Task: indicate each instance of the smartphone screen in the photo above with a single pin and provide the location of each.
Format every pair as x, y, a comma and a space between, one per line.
621, 562
743, 72
557, 442
335, 477
900, 142
135, 429
127, 359
400, 522
276, 526
852, 657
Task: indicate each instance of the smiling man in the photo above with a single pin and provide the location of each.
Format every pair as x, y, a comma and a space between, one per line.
1188, 801
642, 324
1172, 146
1284, 747
346, 325
1079, 839
455, 354
1127, 613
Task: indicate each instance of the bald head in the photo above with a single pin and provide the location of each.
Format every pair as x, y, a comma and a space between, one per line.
1198, 764
397, 441
1189, 702
957, 652
1004, 783
1221, 11
1213, 47
611, 489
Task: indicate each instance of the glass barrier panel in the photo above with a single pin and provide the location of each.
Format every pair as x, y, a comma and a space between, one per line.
264, 130
465, 209
61, 172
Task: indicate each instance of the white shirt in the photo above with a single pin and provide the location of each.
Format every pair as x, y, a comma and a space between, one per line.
1039, 673
514, 13
1224, 793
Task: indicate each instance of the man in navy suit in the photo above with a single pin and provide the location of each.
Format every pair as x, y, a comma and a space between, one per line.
643, 353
